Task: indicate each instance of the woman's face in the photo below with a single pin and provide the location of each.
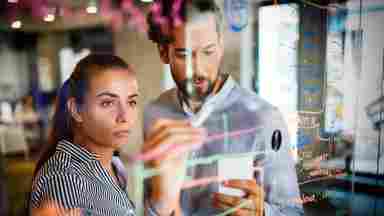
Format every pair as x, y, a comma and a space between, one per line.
110, 108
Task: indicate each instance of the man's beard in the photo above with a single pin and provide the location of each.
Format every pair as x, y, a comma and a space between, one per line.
191, 93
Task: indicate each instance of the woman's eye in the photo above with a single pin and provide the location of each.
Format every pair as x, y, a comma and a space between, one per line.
181, 55
106, 103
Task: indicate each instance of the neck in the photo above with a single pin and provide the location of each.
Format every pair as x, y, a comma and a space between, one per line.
195, 105
104, 155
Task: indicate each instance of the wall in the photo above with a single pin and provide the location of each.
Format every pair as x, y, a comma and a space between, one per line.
363, 84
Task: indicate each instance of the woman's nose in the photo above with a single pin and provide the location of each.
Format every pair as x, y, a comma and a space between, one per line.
123, 113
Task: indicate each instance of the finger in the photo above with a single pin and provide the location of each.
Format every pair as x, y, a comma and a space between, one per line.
168, 131
252, 202
167, 149
257, 203
235, 210
177, 135
227, 199
247, 212
180, 150
162, 122
220, 205
249, 186
165, 139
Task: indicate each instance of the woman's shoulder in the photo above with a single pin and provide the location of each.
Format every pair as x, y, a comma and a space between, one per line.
60, 165
57, 180
65, 188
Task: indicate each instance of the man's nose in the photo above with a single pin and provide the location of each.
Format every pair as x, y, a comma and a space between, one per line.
197, 65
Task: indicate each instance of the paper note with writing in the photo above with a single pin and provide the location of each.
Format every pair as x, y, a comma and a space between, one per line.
235, 168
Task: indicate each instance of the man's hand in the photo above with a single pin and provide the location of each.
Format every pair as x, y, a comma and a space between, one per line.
171, 140
168, 144
250, 204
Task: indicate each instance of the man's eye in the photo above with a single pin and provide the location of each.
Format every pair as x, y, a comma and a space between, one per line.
132, 103
107, 103
209, 52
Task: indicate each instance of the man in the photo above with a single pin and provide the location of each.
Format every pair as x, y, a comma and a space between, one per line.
190, 39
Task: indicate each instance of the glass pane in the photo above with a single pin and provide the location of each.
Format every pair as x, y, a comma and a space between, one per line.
297, 111
335, 92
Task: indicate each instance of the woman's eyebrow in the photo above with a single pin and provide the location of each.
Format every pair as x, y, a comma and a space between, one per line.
107, 94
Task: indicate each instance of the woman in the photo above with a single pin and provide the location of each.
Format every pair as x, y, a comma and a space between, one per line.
94, 114
95, 111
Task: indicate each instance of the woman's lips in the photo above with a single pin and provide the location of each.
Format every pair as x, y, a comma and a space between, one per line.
122, 133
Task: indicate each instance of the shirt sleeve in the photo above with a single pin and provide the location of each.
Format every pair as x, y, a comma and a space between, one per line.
280, 179
66, 191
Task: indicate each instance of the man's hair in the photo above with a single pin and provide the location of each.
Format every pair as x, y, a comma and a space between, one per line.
167, 14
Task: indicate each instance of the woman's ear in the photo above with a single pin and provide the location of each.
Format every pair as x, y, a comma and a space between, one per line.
163, 51
73, 109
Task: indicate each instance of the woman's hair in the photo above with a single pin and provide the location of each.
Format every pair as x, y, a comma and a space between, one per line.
76, 87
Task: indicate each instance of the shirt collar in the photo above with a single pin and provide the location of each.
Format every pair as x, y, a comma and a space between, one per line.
213, 100
76, 151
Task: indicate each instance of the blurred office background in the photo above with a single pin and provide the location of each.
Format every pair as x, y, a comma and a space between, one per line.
319, 61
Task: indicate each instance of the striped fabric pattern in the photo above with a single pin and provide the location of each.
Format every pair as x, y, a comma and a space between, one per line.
74, 178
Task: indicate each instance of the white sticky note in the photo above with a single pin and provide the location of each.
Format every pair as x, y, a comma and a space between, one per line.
235, 168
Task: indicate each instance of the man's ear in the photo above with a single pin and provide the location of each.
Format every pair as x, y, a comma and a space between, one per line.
164, 54
73, 109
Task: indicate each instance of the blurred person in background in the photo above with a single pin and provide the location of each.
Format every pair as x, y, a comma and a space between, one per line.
25, 111
29, 120
189, 37
96, 109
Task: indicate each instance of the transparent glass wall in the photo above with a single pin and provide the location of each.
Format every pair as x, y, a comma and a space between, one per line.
319, 63
322, 64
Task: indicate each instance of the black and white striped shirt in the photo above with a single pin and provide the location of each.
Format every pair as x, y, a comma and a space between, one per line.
74, 178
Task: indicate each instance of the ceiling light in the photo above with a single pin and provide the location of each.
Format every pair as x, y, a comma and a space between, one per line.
91, 9
49, 18
16, 24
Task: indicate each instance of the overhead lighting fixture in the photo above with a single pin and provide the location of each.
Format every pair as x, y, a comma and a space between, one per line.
13, 1
147, 1
16, 24
91, 9
49, 18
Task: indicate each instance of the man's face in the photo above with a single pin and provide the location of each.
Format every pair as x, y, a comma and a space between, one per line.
194, 57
